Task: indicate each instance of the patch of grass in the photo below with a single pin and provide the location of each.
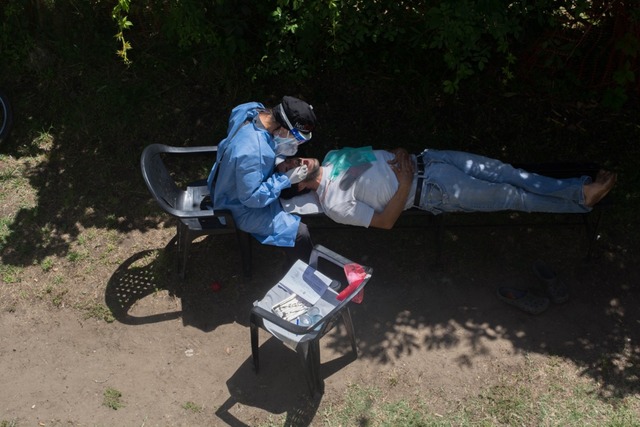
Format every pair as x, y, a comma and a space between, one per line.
548, 393
11, 179
405, 413
112, 219
76, 256
506, 405
47, 264
82, 240
358, 408
15, 188
98, 311
12, 423
192, 407
393, 379
148, 260
113, 236
273, 421
112, 398
58, 298
10, 273
44, 140
111, 240
109, 249
4, 230
46, 233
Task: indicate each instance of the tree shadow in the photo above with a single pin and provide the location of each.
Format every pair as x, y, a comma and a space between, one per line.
410, 307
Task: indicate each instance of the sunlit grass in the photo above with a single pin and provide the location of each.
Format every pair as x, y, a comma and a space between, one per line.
112, 398
10, 273
47, 264
4, 230
76, 256
192, 407
98, 311
549, 392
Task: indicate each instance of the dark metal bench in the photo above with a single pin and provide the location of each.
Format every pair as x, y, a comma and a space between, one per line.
192, 206
417, 218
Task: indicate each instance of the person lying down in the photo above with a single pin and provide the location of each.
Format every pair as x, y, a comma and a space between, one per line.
371, 188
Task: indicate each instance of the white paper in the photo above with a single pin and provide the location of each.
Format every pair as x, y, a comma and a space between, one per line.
306, 282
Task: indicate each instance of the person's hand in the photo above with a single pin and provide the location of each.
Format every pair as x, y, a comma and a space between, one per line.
298, 174
400, 155
402, 166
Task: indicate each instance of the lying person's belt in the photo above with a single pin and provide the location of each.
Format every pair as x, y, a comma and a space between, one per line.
420, 164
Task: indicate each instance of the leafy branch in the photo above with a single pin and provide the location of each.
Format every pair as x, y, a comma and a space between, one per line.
119, 14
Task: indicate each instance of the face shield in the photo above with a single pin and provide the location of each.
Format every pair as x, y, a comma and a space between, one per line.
300, 135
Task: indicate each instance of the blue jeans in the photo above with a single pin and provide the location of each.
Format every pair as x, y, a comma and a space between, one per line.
456, 181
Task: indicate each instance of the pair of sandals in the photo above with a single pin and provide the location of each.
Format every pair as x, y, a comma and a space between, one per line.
536, 300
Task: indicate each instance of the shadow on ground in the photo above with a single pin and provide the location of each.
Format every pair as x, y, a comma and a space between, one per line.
411, 307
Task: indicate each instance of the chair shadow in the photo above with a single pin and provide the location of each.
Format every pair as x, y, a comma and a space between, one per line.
148, 272
132, 281
279, 387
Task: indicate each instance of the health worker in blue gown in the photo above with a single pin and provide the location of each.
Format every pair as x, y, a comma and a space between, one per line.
243, 180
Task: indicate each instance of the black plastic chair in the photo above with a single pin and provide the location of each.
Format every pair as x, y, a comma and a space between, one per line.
190, 205
305, 340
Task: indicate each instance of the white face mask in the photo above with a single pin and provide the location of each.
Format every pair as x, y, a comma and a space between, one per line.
285, 146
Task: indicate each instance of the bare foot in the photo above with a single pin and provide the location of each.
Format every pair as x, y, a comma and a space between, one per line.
594, 192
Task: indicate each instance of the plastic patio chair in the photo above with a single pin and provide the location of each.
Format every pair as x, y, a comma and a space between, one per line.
190, 205
305, 340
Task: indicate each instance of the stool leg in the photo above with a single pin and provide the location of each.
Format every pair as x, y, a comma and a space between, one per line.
306, 359
314, 361
348, 324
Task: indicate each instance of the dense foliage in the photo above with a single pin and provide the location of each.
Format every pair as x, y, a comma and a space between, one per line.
590, 43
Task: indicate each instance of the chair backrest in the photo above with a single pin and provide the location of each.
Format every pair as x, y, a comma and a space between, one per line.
320, 252
163, 187
159, 182
331, 317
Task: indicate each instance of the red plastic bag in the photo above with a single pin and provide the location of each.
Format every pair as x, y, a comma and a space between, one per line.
355, 276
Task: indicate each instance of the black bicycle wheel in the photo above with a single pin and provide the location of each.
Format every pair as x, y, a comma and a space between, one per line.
6, 116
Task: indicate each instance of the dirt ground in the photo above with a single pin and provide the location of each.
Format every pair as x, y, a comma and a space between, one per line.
437, 333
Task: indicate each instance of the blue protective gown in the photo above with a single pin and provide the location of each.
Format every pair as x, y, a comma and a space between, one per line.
246, 184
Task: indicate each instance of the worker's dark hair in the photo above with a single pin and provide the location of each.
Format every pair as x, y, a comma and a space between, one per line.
293, 191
